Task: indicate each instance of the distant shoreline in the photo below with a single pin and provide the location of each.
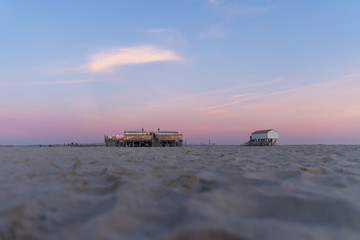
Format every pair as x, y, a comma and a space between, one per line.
188, 145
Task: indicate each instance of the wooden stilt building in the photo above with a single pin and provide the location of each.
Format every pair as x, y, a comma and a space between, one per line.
145, 139
263, 138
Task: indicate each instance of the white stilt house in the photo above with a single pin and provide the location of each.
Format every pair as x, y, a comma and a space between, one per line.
263, 138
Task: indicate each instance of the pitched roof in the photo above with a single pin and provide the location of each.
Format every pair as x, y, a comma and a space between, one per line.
262, 131
133, 131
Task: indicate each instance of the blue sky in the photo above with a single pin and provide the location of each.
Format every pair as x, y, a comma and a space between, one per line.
75, 70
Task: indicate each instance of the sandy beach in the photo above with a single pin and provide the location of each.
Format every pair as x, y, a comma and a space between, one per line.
196, 192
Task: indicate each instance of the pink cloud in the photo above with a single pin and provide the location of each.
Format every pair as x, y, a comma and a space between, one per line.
105, 61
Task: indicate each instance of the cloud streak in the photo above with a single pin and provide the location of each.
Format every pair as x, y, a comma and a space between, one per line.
253, 96
216, 3
106, 61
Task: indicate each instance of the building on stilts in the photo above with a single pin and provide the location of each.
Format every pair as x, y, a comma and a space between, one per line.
267, 137
143, 138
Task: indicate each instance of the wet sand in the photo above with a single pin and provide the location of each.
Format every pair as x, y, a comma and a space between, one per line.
197, 192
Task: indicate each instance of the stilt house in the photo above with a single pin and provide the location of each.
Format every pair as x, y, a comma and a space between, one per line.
263, 138
145, 139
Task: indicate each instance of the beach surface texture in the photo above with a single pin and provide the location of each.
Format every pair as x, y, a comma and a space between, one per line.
195, 192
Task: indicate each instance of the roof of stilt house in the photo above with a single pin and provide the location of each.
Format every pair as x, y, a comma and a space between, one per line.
134, 131
263, 131
141, 131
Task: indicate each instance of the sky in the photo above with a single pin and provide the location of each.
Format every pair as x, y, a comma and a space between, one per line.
72, 71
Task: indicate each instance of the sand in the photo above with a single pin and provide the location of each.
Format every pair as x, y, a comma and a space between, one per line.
197, 192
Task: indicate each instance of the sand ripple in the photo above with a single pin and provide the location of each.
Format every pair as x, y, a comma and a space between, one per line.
218, 192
